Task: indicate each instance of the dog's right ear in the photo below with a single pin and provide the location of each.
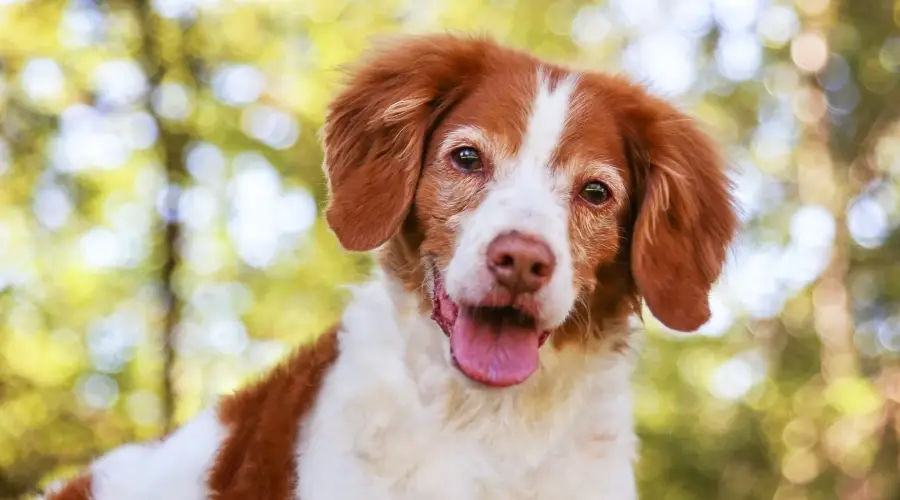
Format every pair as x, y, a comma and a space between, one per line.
687, 216
377, 127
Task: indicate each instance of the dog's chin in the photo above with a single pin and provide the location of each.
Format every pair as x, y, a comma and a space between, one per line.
495, 342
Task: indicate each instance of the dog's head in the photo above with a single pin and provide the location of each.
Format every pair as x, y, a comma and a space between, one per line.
527, 197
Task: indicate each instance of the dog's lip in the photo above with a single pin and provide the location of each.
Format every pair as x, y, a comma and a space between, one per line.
496, 299
499, 297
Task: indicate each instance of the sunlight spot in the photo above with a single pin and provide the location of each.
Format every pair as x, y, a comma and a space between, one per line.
42, 79
868, 222
271, 126
98, 391
120, 82
52, 206
734, 378
237, 85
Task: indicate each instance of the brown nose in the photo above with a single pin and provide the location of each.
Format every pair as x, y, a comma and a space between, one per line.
521, 263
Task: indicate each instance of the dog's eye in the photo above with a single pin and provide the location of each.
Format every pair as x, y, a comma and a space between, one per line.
466, 158
595, 193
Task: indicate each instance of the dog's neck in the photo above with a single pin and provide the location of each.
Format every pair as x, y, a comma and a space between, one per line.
394, 411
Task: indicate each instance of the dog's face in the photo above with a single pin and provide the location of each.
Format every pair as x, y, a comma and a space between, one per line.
532, 201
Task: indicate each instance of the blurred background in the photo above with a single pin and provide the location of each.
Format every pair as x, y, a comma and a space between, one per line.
161, 239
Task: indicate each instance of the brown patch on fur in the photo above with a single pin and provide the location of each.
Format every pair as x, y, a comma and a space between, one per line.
376, 130
257, 459
614, 298
79, 488
499, 109
592, 149
686, 216
621, 345
670, 219
400, 256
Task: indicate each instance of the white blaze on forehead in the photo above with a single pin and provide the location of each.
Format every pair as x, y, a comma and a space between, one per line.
526, 196
546, 122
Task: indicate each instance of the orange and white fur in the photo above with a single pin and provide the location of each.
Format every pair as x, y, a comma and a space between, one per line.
519, 212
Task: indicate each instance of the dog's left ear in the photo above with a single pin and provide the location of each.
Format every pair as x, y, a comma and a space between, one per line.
686, 216
377, 127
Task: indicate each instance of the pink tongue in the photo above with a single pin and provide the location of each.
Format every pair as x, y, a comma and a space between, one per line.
492, 353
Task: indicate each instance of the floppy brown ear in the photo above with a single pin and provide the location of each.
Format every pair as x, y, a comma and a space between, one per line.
376, 130
686, 216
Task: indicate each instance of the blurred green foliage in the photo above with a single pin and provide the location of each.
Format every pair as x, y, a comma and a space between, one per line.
160, 243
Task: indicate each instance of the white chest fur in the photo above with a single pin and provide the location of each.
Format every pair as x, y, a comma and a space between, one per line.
396, 421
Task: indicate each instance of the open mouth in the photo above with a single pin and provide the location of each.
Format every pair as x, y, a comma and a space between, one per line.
496, 345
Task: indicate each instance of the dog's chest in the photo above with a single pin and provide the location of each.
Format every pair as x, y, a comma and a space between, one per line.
425, 461
421, 459
383, 440
394, 421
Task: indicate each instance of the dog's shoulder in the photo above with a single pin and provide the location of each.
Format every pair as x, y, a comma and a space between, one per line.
243, 445
264, 421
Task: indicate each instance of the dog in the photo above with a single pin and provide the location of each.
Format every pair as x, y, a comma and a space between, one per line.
520, 213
